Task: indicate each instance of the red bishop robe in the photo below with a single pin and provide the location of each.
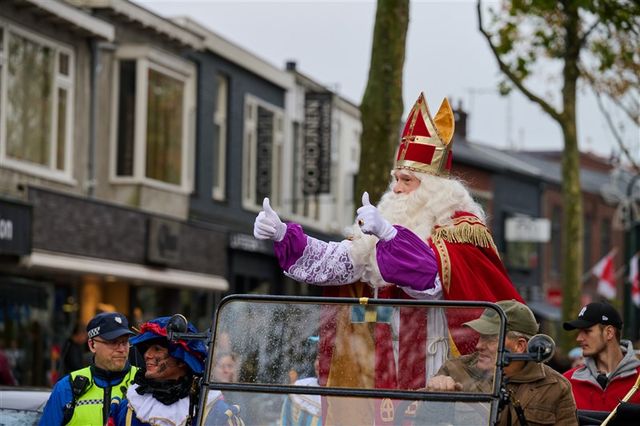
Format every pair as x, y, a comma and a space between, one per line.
470, 269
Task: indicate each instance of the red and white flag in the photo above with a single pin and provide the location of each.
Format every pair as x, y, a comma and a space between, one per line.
605, 272
634, 279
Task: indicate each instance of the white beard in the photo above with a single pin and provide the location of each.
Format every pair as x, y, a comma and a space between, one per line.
408, 211
433, 203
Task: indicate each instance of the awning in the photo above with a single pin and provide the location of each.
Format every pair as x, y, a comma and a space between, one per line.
545, 310
39, 259
77, 17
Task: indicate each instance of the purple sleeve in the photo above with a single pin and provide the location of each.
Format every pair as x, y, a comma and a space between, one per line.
289, 250
407, 261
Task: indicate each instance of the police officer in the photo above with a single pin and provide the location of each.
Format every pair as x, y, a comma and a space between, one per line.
83, 396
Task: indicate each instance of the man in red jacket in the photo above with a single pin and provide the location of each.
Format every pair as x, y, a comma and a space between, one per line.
610, 368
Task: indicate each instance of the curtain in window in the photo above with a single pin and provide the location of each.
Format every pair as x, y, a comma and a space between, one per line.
164, 128
29, 96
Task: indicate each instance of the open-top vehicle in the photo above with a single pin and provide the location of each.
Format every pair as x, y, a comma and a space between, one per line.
368, 371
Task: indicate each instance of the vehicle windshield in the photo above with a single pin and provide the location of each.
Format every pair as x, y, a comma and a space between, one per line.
352, 361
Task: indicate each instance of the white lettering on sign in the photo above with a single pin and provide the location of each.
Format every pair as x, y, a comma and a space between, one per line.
6, 229
523, 228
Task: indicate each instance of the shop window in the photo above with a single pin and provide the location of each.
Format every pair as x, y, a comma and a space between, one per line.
155, 117
220, 138
36, 108
150, 302
263, 135
28, 311
521, 255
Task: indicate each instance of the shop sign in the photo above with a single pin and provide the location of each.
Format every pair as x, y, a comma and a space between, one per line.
249, 243
528, 229
317, 143
163, 241
15, 228
264, 153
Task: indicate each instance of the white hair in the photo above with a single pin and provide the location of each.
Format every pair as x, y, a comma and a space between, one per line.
432, 203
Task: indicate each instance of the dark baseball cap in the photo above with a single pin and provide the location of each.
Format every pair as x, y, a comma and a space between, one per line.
108, 326
595, 313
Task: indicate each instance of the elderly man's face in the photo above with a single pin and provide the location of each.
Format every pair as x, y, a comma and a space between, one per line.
487, 348
159, 365
405, 182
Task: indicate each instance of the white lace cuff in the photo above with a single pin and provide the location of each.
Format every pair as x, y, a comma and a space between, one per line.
325, 263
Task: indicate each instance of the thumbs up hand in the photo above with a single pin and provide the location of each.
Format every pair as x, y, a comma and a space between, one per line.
371, 221
268, 225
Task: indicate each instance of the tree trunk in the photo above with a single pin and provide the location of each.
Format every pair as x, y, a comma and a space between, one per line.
572, 229
382, 105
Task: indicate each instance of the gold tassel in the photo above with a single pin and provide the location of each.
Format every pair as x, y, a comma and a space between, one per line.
466, 233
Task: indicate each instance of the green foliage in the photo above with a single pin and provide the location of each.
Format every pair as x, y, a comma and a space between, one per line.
596, 42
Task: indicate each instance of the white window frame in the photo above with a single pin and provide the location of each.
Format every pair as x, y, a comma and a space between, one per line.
220, 117
60, 81
146, 58
249, 153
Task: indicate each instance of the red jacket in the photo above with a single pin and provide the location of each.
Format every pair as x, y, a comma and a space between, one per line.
590, 396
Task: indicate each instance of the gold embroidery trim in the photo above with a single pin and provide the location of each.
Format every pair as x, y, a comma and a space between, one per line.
445, 263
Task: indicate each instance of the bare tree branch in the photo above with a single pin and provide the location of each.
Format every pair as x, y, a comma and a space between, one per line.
584, 37
507, 71
615, 133
623, 147
635, 117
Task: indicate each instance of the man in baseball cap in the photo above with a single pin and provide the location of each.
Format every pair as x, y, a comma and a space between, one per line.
533, 384
595, 313
108, 326
610, 366
83, 397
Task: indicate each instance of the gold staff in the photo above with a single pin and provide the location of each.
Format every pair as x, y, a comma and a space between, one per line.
628, 396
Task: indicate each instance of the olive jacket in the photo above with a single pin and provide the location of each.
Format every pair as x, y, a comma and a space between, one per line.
543, 393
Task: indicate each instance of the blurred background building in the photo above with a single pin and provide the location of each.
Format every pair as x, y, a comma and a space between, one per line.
135, 151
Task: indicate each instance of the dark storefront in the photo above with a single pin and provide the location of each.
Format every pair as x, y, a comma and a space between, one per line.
87, 256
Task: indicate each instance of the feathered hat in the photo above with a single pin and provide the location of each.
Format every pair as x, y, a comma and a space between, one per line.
426, 142
191, 352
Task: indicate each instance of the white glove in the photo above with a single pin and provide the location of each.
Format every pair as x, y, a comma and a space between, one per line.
268, 225
371, 221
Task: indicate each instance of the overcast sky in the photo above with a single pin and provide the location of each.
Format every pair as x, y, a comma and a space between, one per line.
446, 56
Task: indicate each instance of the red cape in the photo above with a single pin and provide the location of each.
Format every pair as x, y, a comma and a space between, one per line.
470, 270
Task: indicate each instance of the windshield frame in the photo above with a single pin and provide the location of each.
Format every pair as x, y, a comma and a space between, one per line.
457, 396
